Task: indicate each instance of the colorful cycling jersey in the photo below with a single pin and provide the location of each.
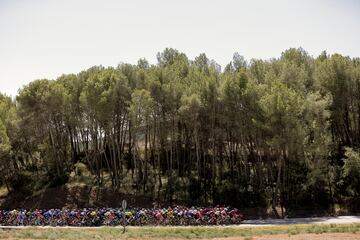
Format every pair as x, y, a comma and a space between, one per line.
135, 216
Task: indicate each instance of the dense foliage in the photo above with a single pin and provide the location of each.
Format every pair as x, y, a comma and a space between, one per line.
282, 132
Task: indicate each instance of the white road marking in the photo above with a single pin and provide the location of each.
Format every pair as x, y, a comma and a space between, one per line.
246, 223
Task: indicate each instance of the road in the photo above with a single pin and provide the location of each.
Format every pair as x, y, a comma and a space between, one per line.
314, 220
246, 223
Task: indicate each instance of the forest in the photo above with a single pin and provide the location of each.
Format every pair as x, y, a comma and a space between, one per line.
282, 133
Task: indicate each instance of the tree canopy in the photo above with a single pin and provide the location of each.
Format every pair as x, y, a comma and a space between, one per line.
283, 132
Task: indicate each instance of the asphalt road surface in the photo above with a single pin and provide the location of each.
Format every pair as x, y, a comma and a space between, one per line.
314, 220
250, 223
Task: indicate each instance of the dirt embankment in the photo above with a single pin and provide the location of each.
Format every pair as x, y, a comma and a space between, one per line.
323, 236
77, 197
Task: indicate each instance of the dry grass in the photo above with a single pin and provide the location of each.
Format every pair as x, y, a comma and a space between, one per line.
177, 232
3, 191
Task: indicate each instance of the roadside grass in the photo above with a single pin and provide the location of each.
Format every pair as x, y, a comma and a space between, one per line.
173, 232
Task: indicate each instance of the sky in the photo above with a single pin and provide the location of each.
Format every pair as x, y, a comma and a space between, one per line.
47, 38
